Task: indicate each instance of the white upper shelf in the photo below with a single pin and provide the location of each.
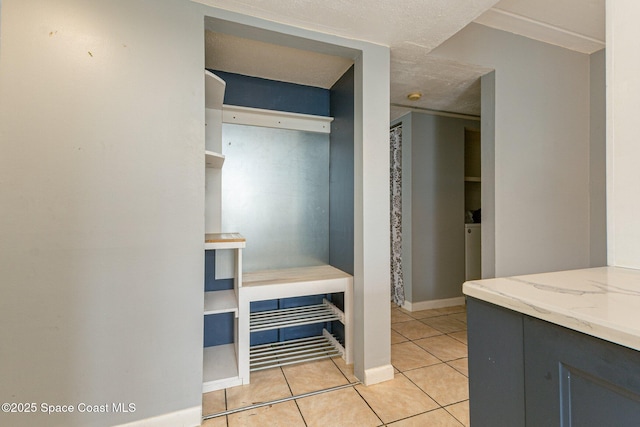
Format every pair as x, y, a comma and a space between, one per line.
214, 99
276, 119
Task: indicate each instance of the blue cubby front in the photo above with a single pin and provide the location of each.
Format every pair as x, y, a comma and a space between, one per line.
210, 282
295, 332
218, 328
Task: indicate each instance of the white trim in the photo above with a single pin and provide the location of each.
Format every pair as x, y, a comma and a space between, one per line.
190, 417
214, 88
436, 112
610, 13
378, 375
537, 30
275, 119
210, 386
437, 303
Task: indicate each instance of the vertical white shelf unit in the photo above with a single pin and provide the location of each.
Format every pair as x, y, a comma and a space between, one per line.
214, 159
214, 88
221, 367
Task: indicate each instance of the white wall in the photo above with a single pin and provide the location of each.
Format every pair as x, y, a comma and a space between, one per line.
623, 149
101, 220
541, 148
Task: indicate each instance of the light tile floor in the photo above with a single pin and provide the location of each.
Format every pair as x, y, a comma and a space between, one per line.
430, 387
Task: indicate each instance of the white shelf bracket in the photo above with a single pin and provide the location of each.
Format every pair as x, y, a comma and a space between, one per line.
334, 309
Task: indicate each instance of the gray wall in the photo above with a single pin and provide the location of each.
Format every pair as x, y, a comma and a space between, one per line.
101, 220
437, 212
597, 160
488, 186
542, 116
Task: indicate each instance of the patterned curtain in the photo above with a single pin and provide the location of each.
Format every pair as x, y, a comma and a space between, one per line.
397, 282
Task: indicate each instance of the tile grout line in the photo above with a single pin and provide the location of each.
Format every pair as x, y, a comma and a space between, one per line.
291, 391
422, 413
301, 414
367, 403
338, 368
420, 388
226, 405
284, 375
450, 413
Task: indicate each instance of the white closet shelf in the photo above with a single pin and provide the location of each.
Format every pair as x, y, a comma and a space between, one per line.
296, 316
224, 241
217, 302
220, 368
294, 351
213, 160
275, 119
297, 282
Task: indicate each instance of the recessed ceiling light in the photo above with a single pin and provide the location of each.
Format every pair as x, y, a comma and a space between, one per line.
414, 96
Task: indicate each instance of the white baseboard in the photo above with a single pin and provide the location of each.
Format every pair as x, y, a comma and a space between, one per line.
190, 417
378, 375
436, 303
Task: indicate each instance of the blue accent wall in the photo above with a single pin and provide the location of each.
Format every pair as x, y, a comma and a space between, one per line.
210, 282
218, 329
246, 91
341, 159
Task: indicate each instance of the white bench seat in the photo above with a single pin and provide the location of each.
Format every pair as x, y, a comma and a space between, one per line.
289, 283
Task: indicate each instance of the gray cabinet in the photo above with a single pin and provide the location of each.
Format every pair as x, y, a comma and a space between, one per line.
496, 365
527, 372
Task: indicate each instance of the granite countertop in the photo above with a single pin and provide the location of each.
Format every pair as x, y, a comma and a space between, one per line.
603, 302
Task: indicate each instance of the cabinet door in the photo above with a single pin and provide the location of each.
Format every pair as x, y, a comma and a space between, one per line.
572, 379
496, 366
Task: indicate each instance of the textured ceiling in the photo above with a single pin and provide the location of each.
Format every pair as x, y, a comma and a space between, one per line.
259, 59
411, 29
415, 23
